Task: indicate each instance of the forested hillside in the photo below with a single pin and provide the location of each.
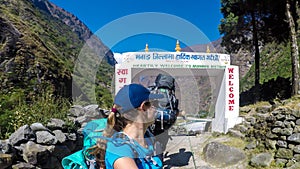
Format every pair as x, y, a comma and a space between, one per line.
268, 31
39, 48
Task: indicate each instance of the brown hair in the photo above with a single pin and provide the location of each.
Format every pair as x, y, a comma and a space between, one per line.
116, 122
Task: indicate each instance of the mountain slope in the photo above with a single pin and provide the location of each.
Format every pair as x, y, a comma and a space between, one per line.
34, 54
77, 26
39, 45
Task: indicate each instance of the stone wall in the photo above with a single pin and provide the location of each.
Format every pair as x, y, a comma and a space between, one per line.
44, 146
274, 129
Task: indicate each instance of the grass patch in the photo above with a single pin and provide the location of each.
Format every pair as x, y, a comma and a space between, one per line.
17, 111
235, 142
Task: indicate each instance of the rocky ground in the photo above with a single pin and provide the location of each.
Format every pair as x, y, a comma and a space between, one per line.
185, 152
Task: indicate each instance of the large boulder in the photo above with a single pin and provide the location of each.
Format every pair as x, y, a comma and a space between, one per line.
55, 124
261, 160
22, 135
35, 153
220, 155
45, 137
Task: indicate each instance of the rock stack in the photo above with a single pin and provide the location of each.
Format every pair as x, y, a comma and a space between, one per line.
44, 146
273, 129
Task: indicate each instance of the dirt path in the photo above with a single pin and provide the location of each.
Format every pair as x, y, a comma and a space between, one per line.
184, 152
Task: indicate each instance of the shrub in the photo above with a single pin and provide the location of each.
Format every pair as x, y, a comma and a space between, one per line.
18, 111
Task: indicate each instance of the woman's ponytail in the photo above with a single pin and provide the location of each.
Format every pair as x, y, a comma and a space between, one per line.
115, 123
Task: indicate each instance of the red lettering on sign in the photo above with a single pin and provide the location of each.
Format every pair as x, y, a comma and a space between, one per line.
122, 71
122, 80
231, 101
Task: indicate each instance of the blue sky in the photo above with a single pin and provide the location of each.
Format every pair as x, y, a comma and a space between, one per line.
127, 25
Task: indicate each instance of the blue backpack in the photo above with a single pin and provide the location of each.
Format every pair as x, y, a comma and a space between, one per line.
79, 160
167, 107
91, 133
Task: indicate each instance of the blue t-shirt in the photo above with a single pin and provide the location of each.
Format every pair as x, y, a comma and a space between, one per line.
120, 147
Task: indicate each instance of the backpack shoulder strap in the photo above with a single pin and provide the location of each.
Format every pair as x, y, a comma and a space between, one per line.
75, 160
130, 142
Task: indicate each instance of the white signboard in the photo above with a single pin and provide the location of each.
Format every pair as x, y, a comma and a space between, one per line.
214, 65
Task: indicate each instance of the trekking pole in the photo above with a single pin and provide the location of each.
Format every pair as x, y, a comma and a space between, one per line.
193, 157
190, 144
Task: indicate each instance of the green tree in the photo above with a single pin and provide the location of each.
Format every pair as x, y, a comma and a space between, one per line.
291, 14
249, 24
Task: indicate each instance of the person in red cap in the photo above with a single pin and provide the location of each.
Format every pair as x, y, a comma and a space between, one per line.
129, 145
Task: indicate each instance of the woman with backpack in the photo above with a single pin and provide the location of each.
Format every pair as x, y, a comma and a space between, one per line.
126, 142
